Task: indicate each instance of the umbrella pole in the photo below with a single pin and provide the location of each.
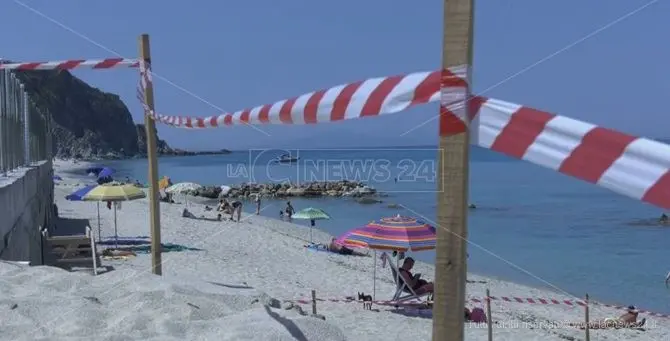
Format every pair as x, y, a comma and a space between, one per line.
374, 276
99, 229
116, 233
310, 235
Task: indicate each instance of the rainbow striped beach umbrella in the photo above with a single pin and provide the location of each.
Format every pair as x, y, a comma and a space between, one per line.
394, 233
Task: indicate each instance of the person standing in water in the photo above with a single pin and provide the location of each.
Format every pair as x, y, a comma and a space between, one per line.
258, 204
289, 210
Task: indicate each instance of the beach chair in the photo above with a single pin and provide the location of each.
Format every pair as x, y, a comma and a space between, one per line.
403, 291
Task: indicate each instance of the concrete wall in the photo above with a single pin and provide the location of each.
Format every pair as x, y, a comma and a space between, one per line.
26, 205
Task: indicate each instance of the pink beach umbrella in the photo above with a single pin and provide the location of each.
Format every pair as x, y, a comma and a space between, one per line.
344, 240
352, 240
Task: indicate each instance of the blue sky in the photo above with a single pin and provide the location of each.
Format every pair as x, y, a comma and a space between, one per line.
238, 54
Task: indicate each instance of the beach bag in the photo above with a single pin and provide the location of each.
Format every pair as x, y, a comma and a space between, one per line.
477, 315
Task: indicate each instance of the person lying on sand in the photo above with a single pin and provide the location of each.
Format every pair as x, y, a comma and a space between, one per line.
627, 320
417, 284
341, 249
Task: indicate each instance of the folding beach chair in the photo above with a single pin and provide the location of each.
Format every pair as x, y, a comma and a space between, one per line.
403, 291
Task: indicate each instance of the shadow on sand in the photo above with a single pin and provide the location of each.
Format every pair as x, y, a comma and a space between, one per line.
232, 286
413, 312
288, 324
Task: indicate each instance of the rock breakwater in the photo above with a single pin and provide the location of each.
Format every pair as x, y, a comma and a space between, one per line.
283, 190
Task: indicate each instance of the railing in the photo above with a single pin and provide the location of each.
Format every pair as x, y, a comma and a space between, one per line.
25, 131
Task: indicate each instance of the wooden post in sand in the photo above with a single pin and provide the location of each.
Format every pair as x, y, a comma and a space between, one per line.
489, 320
452, 186
149, 126
313, 302
586, 319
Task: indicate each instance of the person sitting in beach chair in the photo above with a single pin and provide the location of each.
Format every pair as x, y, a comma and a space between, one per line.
404, 290
627, 320
419, 286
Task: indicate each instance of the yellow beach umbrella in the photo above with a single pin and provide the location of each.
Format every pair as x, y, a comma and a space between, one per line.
114, 192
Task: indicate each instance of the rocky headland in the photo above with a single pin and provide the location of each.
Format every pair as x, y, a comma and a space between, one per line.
88, 123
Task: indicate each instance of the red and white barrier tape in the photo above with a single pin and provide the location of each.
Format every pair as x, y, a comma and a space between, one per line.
552, 301
371, 97
108, 63
512, 299
351, 300
598, 155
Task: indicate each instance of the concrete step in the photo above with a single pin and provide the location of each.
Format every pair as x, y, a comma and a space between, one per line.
74, 249
73, 237
77, 260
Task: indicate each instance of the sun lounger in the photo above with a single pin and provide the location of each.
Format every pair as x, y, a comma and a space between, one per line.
403, 291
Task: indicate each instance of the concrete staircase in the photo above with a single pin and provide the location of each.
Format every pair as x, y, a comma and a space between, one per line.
70, 252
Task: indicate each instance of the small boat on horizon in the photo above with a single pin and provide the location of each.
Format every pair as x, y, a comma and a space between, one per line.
285, 158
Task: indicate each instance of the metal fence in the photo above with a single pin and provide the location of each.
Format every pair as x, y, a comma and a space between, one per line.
25, 131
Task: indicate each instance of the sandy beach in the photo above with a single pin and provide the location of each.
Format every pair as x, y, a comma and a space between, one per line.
241, 285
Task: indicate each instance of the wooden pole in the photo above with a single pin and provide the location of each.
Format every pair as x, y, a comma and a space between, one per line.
450, 257
489, 318
586, 319
313, 302
154, 207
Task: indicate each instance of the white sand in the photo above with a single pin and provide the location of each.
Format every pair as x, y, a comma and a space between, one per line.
233, 282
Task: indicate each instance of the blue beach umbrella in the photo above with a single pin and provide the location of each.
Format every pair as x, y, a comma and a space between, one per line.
94, 169
79, 195
106, 172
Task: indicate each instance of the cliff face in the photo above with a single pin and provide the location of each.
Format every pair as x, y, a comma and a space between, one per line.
161, 146
88, 123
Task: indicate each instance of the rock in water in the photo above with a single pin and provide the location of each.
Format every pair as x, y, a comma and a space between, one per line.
309, 189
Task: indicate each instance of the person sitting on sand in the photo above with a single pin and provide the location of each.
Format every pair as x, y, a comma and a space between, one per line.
417, 284
627, 320
224, 206
187, 214
664, 219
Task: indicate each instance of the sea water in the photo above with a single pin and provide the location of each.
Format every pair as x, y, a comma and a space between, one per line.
531, 225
